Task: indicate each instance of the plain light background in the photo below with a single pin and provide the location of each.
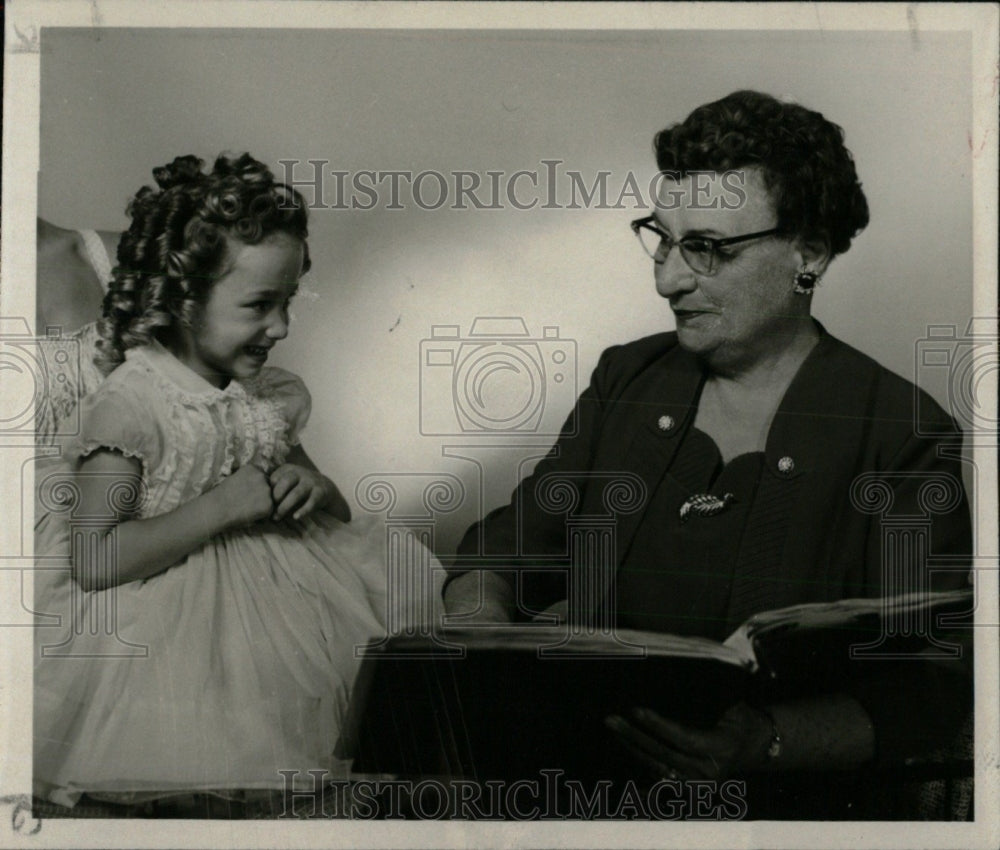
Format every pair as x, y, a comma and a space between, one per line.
116, 103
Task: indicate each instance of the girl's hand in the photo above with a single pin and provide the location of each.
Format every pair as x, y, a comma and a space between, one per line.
245, 496
299, 489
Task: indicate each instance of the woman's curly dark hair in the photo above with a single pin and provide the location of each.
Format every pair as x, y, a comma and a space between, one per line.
800, 154
174, 248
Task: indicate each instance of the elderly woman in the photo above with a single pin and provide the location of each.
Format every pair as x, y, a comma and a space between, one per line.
748, 425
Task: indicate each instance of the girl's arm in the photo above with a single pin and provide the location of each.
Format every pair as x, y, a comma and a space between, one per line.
146, 547
297, 485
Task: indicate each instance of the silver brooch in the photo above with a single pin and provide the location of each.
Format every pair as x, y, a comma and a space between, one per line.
705, 504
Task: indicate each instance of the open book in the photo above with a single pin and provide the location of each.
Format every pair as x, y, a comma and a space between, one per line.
508, 701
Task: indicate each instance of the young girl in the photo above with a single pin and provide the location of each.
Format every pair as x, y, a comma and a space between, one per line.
237, 597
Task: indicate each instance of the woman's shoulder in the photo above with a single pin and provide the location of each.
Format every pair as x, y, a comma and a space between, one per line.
653, 356
894, 398
641, 353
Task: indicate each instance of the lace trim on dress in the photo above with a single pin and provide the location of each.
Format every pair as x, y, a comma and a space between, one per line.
176, 466
229, 446
267, 420
259, 434
269, 424
91, 446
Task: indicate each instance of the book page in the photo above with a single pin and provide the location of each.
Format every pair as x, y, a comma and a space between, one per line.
843, 611
623, 642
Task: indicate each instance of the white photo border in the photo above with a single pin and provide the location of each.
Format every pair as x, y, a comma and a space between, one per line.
26, 18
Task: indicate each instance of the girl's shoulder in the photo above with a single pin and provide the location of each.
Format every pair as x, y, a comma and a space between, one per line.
124, 413
136, 389
274, 381
288, 393
132, 378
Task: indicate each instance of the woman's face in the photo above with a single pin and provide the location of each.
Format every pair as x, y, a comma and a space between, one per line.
747, 309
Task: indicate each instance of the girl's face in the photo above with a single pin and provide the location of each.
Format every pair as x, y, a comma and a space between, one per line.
246, 312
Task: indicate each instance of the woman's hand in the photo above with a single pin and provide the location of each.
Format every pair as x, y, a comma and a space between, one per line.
244, 497
738, 743
299, 489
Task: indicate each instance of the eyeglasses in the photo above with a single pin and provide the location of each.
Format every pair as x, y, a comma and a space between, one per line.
701, 253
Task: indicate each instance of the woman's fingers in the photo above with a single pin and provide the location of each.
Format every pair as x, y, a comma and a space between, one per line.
676, 735
660, 760
634, 736
670, 750
642, 748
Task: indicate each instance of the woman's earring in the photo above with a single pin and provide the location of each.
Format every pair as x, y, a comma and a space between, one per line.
805, 282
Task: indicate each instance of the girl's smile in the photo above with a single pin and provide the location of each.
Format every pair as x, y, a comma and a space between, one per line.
247, 311
258, 350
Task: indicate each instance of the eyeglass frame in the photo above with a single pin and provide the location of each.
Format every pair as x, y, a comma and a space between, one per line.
647, 222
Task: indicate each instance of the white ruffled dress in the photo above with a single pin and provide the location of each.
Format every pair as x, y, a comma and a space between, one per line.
249, 641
